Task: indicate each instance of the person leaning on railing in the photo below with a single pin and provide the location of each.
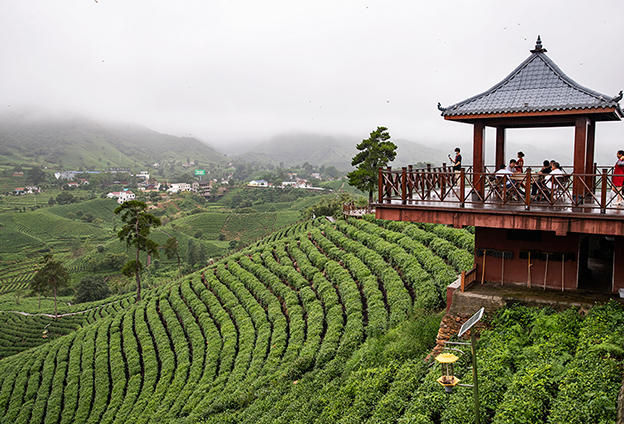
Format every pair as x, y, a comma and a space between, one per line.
618, 178
457, 164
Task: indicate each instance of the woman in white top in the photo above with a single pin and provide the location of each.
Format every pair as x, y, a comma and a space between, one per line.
550, 178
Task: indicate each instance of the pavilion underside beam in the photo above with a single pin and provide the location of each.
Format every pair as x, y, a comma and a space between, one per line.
560, 225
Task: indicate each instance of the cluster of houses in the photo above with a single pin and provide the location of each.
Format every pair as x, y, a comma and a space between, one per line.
294, 182
27, 190
24, 190
202, 188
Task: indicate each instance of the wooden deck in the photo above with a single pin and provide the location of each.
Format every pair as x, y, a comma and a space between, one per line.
576, 203
349, 209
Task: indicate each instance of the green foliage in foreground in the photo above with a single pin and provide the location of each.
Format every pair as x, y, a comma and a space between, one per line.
318, 323
536, 366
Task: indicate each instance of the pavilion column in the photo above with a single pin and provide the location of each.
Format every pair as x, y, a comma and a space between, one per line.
500, 148
478, 157
581, 124
589, 154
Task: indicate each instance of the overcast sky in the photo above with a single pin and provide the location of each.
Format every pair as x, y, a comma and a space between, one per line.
226, 71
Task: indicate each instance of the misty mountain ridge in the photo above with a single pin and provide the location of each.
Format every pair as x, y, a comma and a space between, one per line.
290, 149
72, 142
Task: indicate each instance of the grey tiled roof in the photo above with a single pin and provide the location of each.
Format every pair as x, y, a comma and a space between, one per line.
537, 84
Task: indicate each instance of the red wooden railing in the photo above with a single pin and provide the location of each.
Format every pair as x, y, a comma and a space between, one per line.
468, 278
411, 186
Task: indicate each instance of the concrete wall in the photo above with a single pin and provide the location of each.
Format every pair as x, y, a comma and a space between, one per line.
516, 270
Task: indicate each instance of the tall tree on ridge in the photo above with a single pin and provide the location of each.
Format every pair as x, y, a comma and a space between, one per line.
53, 275
375, 151
135, 232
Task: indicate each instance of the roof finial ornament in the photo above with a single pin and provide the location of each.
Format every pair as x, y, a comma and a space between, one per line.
618, 97
538, 46
440, 108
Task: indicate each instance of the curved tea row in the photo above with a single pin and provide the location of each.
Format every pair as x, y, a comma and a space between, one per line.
227, 340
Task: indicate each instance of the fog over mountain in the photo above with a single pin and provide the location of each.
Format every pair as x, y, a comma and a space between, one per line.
244, 72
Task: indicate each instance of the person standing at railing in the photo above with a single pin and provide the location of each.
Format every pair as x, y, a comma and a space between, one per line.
520, 162
457, 164
618, 178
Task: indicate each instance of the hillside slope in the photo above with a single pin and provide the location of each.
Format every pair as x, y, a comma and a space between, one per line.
318, 323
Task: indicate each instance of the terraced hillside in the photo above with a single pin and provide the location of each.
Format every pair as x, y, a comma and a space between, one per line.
317, 323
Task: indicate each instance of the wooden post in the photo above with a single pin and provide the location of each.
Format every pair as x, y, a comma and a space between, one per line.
380, 186
478, 157
546, 270
589, 152
403, 185
389, 185
500, 147
483, 267
603, 192
462, 187
580, 145
529, 271
427, 183
562, 271
410, 169
527, 190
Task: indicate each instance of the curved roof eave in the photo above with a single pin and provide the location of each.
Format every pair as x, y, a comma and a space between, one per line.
535, 82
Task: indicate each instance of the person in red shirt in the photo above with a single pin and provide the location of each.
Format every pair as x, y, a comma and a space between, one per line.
520, 162
618, 178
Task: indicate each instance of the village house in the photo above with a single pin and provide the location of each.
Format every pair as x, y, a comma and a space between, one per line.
143, 174
258, 183
121, 196
178, 187
151, 187
202, 188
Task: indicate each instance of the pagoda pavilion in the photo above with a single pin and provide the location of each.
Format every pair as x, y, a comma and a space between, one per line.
564, 231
